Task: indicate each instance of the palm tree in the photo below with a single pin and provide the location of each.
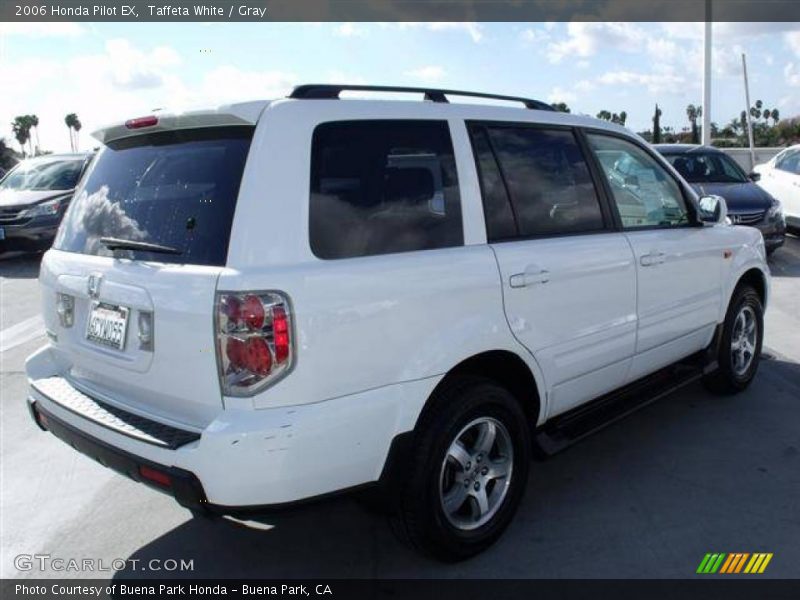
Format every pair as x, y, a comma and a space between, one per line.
604, 115
70, 121
776, 116
694, 113
35, 124
22, 131
560, 107
657, 126
77, 127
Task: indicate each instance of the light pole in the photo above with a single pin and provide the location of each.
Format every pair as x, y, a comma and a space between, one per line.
707, 78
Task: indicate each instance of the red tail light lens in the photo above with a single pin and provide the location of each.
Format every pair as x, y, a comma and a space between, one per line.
253, 312
254, 340
140, 122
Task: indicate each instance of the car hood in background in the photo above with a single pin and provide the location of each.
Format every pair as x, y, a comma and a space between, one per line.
27, 197
740, 197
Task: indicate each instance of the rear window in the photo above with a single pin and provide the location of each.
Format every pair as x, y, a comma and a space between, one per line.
176, 189
379, 187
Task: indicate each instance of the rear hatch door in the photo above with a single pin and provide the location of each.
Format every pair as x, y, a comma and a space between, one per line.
137, 258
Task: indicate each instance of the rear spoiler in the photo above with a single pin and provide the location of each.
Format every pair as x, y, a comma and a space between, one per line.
246, 113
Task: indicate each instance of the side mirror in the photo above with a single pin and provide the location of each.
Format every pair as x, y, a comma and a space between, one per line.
753, 176
712, 209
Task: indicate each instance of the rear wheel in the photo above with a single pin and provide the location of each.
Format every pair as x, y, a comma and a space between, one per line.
740, 346
468, 470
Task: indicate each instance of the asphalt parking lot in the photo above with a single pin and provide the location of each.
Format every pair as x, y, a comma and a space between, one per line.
646, 497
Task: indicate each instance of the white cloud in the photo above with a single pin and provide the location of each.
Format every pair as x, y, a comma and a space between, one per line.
558, 94
42, 29
792, 75
349, 30
793, 41
474, 30
429, 74
585, 39
584, 85
666, 80
531, 35
232, 84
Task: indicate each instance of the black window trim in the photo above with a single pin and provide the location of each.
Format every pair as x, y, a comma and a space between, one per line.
609, 217
437, 120
688, 202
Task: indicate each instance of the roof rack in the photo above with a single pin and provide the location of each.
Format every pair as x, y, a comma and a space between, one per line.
314, 91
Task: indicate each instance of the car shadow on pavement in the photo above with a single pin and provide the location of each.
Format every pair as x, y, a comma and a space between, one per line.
645, 497
17, 265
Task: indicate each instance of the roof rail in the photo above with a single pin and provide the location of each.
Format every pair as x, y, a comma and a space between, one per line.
315, 91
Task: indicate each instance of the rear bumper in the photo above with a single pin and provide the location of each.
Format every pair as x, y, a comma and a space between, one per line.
247, 459
183, 485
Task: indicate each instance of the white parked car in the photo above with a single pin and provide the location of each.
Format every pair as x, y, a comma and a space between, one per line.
271, 302
781, 178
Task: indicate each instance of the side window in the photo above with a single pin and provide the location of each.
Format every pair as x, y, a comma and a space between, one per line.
646, 195
790, 162
379, 187
499, 216
547, 179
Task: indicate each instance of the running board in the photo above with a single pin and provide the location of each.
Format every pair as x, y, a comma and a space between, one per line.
565, 429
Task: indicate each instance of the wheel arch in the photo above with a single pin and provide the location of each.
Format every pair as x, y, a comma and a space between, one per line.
505, 368
756, 278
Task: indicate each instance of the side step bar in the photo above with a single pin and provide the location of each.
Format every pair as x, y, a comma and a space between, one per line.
564, 430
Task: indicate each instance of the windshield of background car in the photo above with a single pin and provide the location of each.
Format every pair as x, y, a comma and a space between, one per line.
44, 174
707, 168
175, 189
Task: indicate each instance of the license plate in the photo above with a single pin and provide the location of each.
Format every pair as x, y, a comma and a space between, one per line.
107, 325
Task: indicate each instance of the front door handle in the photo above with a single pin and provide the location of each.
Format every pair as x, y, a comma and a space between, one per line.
521, 280
652, 259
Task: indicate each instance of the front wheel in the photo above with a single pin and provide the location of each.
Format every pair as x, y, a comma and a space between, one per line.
740, 346
468, 470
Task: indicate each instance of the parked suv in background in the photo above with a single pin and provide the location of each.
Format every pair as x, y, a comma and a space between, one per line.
34, 196
710, 171
781, 178
274, 301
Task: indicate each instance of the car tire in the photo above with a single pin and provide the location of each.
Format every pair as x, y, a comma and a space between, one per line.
456, 502
739, 349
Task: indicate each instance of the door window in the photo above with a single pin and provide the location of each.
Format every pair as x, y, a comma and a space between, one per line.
645, 194
543, 174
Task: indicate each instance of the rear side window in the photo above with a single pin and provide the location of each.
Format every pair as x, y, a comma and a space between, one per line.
379, 187
546, 177
175, 189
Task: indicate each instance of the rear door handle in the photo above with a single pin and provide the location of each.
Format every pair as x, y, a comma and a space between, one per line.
529, 277
652, 259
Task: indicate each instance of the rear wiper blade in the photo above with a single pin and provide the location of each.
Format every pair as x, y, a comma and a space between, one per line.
119, 244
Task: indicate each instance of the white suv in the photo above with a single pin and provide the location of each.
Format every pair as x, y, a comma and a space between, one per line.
274, 301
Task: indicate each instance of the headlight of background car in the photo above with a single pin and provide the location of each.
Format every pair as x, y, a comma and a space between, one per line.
44, 209
775, 211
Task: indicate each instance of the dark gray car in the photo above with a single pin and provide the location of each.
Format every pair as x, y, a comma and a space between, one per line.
710, 171
33, 198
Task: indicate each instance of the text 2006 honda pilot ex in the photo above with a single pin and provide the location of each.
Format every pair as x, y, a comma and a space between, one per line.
273, 301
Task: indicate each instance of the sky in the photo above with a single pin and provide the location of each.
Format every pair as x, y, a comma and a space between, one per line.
109, 72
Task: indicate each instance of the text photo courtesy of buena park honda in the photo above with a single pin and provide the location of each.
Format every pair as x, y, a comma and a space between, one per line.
301, 298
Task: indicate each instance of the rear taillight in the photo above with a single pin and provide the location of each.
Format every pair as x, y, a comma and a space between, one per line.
254, 340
